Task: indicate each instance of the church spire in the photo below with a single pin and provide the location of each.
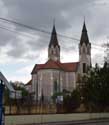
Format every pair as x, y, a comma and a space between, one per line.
84, 27
54, 48
53, 40
84, 35
84, 51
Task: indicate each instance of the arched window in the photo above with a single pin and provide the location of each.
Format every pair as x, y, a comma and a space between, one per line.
84, 50
88, 50
84, 67
55, 87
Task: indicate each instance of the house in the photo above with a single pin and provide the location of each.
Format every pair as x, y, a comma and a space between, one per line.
28, 86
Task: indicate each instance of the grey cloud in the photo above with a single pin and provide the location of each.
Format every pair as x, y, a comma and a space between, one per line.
5, 37
40, 14
16, 52
98, 58
41, 43
18, 48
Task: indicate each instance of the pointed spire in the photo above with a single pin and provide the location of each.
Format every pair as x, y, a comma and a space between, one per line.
84, 27
53, 40
84, 35
54, 31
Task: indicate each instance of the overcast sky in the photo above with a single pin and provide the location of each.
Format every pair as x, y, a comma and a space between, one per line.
21, 50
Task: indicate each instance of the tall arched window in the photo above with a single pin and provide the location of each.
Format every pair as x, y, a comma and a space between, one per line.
84, 50
84, 67
88, 50
55, 86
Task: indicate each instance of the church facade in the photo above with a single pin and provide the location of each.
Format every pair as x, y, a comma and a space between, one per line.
54, 76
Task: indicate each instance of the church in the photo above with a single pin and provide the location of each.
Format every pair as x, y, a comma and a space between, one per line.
54, 76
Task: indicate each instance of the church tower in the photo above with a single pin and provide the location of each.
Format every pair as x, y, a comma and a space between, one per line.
54, 48
84, 51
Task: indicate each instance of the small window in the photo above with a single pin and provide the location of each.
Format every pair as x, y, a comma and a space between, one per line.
84, 67
51, 51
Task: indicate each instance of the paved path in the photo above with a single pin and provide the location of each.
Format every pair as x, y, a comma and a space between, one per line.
88, 122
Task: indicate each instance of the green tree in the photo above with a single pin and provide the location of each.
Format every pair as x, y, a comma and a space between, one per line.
71, 101
96, 89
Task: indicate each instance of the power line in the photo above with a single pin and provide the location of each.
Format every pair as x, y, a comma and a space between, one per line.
27, 35
39, 30
24, 34
23, 25
35, 29
14, 31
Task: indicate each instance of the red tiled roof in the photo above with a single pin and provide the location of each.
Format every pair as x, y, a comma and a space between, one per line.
50, 64
71, 67
37, 67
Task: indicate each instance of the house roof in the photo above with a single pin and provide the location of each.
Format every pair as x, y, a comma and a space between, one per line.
29, 83
50, 64
71, 67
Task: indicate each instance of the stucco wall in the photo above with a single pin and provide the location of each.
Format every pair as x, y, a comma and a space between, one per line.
45, 79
